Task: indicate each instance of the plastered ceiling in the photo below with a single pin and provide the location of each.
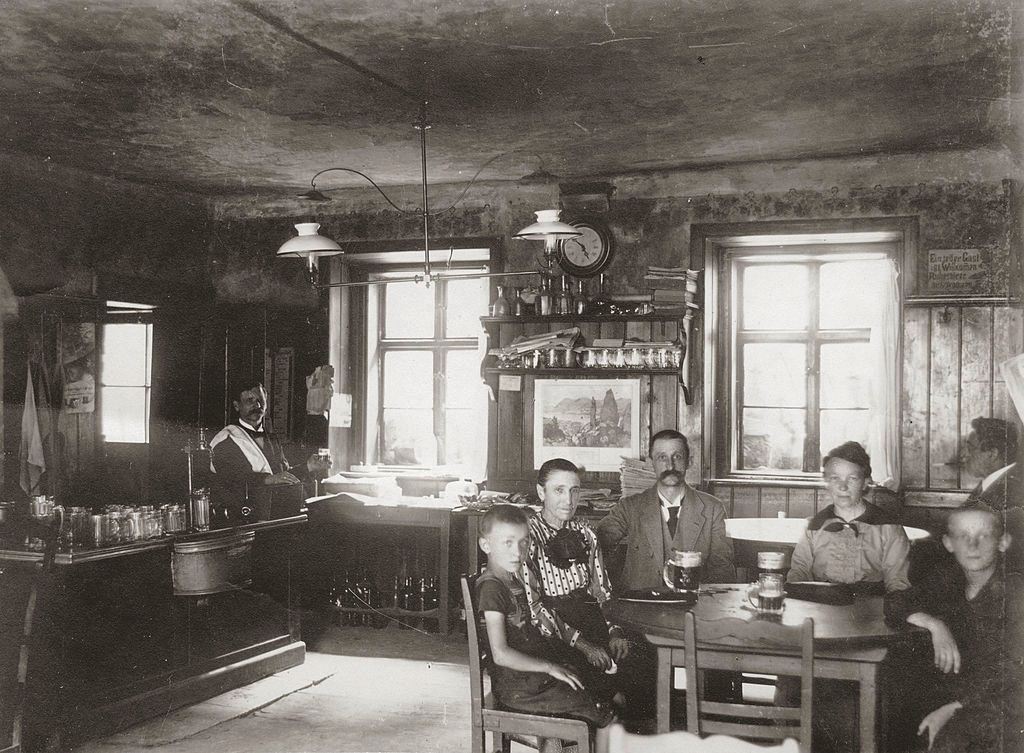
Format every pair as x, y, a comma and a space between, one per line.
232, 97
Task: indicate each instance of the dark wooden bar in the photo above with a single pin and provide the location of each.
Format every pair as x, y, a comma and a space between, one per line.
107, 643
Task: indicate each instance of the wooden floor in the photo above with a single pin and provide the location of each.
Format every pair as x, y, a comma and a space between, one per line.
360, 689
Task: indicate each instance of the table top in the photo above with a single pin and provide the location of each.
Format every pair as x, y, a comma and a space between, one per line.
859, 623
785, 530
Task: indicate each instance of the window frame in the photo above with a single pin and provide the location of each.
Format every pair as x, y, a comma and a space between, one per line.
710, 245
114, 318
813, 338
439, 345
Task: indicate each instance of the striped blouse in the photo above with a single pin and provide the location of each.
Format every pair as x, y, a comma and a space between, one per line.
541, 578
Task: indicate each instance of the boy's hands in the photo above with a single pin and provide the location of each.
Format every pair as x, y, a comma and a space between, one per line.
619, 647
595, 655
937, 720
947, 653
566, 675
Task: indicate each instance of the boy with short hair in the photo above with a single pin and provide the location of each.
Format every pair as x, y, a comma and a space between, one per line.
975, 613
525, 674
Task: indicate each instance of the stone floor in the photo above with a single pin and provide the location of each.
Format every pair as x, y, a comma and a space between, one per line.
360, 689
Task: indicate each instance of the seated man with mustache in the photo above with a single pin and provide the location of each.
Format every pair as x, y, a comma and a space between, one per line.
670, 515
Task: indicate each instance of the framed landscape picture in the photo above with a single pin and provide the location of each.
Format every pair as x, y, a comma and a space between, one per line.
592, 422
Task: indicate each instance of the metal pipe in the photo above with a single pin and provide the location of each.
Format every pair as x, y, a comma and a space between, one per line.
422, 125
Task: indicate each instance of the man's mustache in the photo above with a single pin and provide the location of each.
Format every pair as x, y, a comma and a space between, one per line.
670, 473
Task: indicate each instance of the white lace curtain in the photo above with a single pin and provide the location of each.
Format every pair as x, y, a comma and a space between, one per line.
883, 424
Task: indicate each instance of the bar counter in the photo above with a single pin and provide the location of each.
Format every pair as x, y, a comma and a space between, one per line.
98, 640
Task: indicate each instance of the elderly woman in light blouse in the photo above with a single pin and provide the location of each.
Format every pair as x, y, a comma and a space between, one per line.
851, 540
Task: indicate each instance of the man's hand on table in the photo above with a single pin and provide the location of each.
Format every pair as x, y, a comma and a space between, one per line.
280, 479
595, 655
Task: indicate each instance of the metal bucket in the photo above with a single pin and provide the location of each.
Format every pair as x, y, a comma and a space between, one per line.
212, 565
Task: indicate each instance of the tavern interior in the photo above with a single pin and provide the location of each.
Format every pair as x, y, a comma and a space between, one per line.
153, 153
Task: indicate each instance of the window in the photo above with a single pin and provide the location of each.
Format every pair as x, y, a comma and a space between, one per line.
125, 373
432, 406
800, 344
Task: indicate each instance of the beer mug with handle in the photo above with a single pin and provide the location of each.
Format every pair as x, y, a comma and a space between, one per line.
768, 594
682, 572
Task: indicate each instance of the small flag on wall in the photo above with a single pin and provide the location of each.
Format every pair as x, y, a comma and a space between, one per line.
30, 453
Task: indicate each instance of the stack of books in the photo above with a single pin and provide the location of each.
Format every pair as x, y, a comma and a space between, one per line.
673, 287
636, 475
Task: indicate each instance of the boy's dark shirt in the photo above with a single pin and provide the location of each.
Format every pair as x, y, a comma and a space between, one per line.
494, 595
988, 629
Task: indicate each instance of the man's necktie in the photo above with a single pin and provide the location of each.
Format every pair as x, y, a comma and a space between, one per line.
673, 518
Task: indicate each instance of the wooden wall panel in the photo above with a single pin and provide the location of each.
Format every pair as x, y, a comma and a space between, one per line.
526, 416
801, 503
508, 462
916, 348
1008, 332
613, 329
975, 376
665, 393
745, 501
943, 414
639, 331
773, 501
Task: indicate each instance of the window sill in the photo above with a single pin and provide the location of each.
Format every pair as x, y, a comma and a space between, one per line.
782, 481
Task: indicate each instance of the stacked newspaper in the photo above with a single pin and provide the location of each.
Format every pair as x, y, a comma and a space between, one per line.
563, 338
673, 287
635, 475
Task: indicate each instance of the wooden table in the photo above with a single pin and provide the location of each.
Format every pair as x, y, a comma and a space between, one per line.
850, 643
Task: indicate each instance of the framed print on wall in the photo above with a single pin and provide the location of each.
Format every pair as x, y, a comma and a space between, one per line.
592, 422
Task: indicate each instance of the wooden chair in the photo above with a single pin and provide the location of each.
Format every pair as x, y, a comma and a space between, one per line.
506, 726
615, 739
707, 646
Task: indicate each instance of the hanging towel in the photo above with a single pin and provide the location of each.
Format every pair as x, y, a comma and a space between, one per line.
30, 453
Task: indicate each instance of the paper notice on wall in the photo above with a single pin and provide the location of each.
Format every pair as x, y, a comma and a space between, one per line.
77, 355
341, 411
955, 270
1013, 374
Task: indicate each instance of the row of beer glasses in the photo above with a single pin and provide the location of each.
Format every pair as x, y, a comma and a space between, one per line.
117, 524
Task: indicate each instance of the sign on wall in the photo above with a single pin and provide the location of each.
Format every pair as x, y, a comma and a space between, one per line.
955, 270
77, 356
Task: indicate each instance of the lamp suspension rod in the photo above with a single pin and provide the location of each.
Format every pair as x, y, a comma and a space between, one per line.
420, 278
422, 125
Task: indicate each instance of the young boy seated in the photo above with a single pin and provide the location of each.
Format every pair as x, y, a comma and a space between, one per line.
525, 674
974, 611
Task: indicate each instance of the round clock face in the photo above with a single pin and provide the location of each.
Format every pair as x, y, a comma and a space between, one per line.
589, 253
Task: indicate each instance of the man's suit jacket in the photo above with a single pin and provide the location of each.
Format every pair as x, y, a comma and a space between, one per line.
637, 522
234, 480
1006, 491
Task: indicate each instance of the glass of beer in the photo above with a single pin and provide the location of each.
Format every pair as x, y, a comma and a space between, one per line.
767, 595
682, 572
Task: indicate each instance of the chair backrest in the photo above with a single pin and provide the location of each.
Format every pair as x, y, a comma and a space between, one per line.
477, 647
615, 739
761, 646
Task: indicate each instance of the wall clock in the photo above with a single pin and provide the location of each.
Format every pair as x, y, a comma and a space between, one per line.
588, 254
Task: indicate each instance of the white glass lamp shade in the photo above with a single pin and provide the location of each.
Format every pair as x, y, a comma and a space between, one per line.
308, 243
547, 227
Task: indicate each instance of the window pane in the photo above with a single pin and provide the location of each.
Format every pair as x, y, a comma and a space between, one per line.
125, 354
774, 374
772, 439
408, 310
124, 413
850, 293
467, 302
462, 435
463, 387
775, 296
409, 437
838, 426
409, 380
845, 375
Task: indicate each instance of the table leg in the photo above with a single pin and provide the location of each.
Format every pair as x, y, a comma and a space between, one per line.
869, 708
472, 547
442, 585
664, 689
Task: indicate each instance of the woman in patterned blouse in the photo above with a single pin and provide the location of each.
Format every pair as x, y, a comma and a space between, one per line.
566, 582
